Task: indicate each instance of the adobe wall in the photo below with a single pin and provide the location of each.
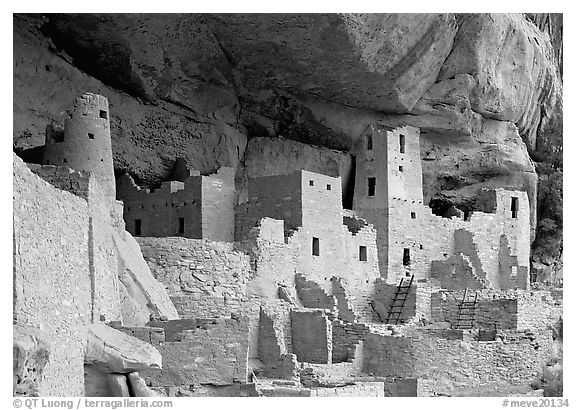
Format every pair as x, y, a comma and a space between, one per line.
213, 353
160, 209
218, 200
311, 336
359, 277
322, 218
277, 197
52, 286
86, 144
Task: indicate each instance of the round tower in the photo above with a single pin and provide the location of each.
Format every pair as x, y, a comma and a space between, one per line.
85, 144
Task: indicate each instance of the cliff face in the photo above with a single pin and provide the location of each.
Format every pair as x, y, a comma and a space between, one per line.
486, 91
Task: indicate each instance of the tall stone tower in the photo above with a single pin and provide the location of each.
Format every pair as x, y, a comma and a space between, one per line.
388, 174
85, 144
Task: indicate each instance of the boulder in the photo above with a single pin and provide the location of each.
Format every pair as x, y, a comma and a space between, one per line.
116, 352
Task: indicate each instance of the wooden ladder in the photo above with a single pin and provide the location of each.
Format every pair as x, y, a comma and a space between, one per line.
467, 311
398, 302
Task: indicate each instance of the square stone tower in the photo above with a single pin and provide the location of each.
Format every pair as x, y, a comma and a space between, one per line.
388, 172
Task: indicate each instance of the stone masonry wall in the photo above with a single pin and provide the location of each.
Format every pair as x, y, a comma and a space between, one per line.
213, 353
345, 336
311, 336
102, 221
218, 200
494, 308
159, 209
203, 278
384, 295
449, 366
52, 291
359, 277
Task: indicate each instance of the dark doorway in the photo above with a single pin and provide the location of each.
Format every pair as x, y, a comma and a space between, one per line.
406, 257
315, 246
371, 186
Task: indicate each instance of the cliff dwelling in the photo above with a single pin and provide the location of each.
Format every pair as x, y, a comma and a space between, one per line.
163, 250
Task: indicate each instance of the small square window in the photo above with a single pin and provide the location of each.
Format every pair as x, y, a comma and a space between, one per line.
329, 187
103, 114
90, 135
363, 254
311, 183
413, 215
401, 168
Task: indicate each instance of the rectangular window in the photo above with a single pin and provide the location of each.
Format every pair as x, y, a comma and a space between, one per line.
401, 168
413, 215
371, 186
402, 143
369, 142
137, 227
514, 207
180, 226
329, 187
90, 135
466, 215
363, 253
406, 257
103, 114
315, 246
311, 183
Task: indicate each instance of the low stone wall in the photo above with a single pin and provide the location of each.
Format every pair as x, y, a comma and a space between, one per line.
213, 353
449, 366
494, 308
345, 336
